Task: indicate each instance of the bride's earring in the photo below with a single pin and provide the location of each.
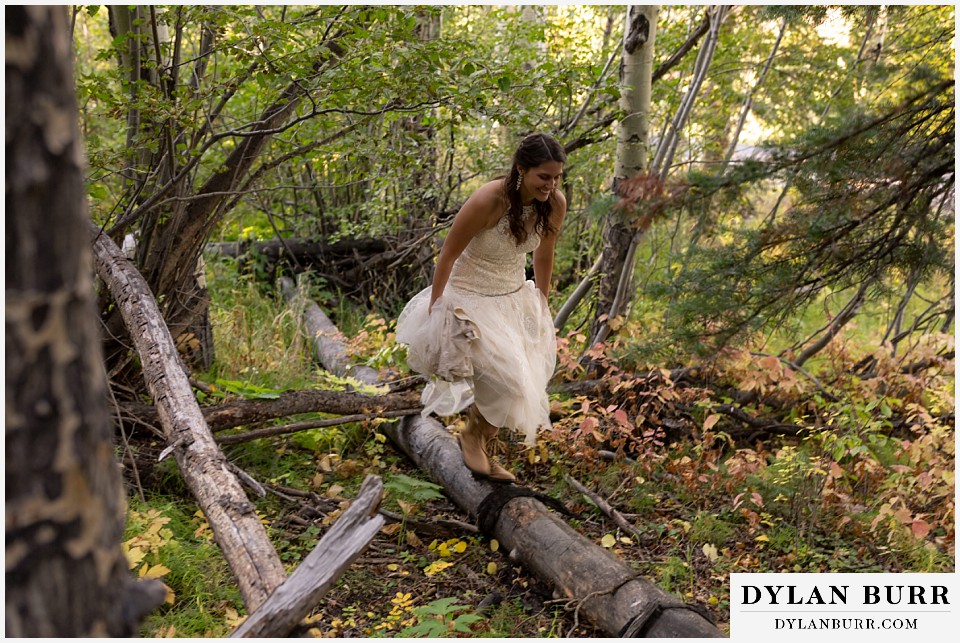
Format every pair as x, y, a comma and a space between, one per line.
519, 180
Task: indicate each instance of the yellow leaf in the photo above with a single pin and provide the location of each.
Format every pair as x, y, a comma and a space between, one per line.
169, 597
762, 539
491, 568
494, 545
134, 556
710, 551
460, 547
436, 567
608, 541
393, 567
392, 529
157, 571
408, 508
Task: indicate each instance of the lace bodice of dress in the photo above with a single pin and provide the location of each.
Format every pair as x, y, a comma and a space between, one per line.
493, 263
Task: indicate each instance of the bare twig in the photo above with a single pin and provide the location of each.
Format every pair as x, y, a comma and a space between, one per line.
314, 424
606, 508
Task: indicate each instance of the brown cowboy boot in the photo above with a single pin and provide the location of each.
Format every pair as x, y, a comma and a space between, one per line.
476, 441
471, 444
497, 472
489, 444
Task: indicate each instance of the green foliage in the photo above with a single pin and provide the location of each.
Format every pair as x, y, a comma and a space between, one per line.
870, 193
441, 618
706, 527
163, 540
412, 490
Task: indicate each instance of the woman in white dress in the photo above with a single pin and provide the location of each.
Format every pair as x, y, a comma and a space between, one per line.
482, 331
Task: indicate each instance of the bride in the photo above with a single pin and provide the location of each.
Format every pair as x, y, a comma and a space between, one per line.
482, 331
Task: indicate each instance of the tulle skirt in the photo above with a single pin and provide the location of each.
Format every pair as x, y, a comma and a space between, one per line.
498, 351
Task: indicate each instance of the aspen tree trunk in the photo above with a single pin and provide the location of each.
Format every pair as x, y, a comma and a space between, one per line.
632, 155
65, 572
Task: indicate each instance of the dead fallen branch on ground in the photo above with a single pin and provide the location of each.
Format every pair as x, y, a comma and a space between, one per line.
313, 577
229, 415
232, 517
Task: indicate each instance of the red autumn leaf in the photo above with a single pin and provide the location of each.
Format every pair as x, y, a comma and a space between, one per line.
920, 528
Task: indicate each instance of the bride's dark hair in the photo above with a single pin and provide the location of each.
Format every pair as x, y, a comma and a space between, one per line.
535, 149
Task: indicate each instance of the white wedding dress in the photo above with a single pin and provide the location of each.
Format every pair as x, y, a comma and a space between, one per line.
489, 339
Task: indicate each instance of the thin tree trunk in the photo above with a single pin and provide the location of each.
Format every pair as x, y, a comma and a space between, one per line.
639, 40
668, 144
748, 102
560, 320
842, 319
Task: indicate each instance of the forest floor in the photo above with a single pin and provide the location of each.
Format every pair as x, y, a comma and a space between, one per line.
428, 568
429, 573
744, 466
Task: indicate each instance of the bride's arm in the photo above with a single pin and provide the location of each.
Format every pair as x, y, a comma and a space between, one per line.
543, 255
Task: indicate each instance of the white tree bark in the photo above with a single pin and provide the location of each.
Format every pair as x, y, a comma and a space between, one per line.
633, 135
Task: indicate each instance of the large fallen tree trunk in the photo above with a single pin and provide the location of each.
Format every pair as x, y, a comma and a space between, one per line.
605, 590
302, 251
232, 517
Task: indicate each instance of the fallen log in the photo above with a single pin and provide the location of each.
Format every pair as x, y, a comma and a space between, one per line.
231, 516
303, 251
229, 415
272, 431
604, 589
335, 552
327, 339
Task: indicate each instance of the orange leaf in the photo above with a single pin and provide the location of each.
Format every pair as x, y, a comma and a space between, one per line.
920, 528
903, 515
771, 363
